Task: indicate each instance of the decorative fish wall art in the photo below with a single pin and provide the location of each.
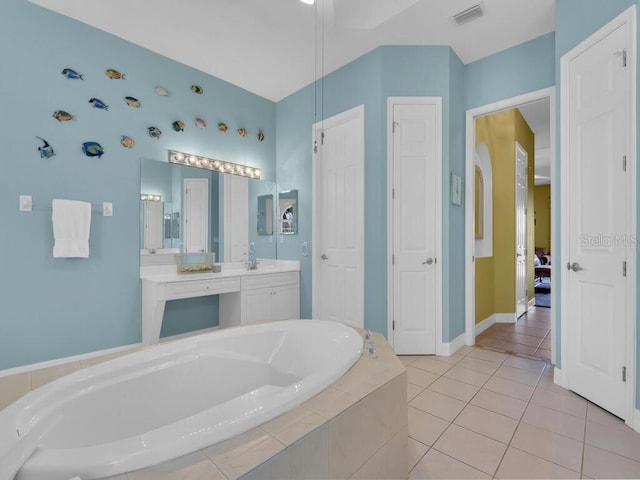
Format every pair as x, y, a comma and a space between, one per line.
72, 74
154, 132
62, 116
46, 150
92, 149
178, 126
260, 136
197, 89
97, 103
242, 132
222, 127
114, 74
200, 123
163, 92
132, 102
127, 142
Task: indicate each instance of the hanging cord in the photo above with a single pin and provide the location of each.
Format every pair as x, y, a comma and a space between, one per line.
315, 75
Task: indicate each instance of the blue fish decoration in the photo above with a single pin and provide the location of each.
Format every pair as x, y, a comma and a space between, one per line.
69, 73
154, 132
92, 149
46, 151
97, 103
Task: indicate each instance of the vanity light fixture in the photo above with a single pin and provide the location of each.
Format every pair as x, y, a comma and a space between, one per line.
212, 164
150, 197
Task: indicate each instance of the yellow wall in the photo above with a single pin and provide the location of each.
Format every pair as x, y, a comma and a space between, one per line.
542, 204
485, 294
495, 276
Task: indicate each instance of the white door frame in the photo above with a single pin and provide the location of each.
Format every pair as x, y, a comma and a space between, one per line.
441, 347
526, 226
628, 17
509, 103
316, 132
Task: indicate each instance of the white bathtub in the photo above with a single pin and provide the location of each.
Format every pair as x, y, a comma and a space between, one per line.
167, 401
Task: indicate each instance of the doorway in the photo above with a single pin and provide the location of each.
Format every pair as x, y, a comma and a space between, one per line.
414, 179
521, 102
599, 216
338, 220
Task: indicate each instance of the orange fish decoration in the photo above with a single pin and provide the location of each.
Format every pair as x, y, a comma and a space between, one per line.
222, 127
242, 132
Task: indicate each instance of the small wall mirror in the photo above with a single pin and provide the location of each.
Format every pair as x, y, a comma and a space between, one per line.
265, 214
288, 212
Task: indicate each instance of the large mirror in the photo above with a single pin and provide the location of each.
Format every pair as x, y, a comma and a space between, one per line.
188, 209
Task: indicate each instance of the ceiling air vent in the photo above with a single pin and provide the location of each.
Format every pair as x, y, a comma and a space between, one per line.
469, 14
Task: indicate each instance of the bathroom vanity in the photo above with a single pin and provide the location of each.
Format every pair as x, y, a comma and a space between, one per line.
272, 292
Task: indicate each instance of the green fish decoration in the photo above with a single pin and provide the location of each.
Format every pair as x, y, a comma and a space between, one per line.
178, 126
197, 89
92, 149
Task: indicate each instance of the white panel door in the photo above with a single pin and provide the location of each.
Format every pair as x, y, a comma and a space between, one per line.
339, 187
196, 215
522, 299
595, 327
415, 227
236, 218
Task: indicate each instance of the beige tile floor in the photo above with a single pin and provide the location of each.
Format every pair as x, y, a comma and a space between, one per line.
531, 335
486, 414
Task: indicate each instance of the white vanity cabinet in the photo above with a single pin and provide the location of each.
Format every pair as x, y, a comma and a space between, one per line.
270, 297
272, 293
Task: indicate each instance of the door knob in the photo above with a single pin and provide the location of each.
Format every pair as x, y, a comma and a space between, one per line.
428, 261
575, 266
324, 257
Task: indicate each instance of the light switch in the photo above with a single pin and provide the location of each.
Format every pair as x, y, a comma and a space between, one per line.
26, 203
107, 209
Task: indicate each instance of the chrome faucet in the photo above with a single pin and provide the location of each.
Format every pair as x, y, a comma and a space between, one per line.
252, 265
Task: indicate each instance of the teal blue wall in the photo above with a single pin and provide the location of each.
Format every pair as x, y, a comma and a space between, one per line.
594, 14
368, 81
521, 69
52, 308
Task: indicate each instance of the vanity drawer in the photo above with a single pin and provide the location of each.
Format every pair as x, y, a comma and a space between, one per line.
269, 280
202, 288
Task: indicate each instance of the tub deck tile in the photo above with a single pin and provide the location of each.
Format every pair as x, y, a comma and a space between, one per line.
241, 454
195, 466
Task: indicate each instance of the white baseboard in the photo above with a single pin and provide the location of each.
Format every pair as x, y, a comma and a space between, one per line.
559, 378
532, 303
635, 424
484, 324
505, 317
447, 349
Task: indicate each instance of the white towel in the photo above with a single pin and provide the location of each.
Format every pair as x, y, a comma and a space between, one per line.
71, 225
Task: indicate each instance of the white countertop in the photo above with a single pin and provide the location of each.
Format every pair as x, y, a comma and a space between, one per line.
168, 273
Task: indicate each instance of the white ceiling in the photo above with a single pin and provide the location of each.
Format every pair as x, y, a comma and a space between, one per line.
270, 47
